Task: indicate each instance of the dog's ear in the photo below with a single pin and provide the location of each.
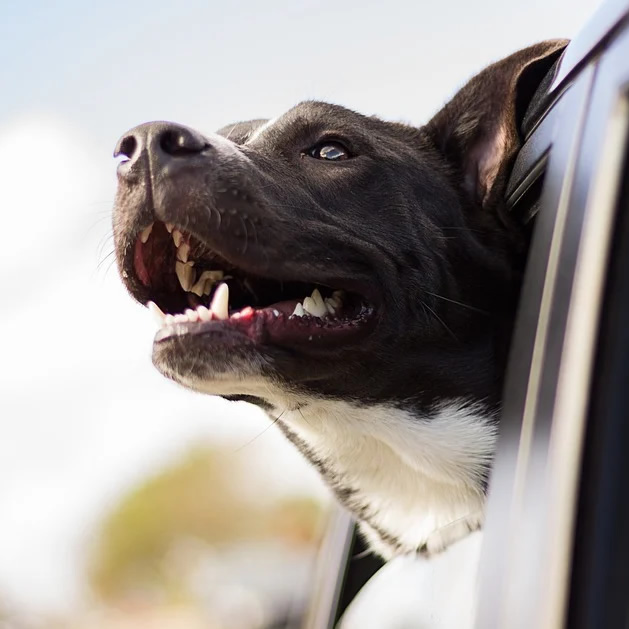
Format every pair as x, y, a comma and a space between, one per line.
239, 132
478, 130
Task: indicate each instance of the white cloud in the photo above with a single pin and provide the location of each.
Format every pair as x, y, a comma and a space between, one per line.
84, 414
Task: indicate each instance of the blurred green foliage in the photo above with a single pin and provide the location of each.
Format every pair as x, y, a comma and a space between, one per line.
210, 495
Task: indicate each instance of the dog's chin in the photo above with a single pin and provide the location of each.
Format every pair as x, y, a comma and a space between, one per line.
236, 359
229, 370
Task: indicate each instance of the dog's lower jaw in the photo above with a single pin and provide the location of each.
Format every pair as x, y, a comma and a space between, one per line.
414, 482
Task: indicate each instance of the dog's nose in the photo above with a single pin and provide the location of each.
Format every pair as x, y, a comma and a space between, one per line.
162, 142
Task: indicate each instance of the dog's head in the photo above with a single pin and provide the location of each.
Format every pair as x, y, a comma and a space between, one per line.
361, 259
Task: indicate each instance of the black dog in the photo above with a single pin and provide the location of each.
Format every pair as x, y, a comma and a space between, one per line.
361, 278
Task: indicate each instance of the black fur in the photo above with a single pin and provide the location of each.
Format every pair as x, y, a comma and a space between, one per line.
413, 222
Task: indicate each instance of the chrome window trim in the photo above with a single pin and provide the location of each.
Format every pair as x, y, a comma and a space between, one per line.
332, 565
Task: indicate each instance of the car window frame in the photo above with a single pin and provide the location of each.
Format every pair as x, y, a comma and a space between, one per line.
528, 553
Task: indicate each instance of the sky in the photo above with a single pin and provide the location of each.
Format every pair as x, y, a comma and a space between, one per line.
83, 415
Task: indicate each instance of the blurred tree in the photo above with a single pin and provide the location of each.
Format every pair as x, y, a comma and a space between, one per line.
205, 496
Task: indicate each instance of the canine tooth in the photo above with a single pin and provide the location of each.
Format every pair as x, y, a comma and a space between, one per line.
144, 235
204, 313
299, 311
169, 227
220, 302
156, 311
314, 309
177, 237
185, 274
192, 315
183, 251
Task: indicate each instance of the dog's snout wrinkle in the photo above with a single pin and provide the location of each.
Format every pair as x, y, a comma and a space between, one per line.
160, 143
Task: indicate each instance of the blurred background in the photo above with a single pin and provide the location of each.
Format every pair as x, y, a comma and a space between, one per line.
126, 501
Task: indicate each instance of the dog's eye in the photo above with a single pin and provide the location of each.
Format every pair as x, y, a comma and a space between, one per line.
333, 151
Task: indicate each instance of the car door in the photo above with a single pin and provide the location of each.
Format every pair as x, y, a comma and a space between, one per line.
557, 504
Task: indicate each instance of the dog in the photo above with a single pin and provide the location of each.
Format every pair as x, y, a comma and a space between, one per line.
356, 278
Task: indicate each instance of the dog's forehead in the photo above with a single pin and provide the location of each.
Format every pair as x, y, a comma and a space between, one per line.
309, 112
307, 118
311, 121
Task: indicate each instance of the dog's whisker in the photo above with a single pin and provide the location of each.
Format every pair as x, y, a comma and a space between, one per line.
103, 260
458, 303
469, 229
230, 132
275, 420
472, 516
254, 230
244, 227
452, 334
303, 416
106, 241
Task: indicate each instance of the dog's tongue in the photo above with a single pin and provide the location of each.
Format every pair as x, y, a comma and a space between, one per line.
275, 325
138, 263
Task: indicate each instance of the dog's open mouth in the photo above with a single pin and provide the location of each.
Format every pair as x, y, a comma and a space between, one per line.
194, 290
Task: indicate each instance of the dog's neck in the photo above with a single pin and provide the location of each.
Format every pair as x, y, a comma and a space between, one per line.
416, 481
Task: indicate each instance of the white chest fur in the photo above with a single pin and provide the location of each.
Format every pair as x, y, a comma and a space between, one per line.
419, 479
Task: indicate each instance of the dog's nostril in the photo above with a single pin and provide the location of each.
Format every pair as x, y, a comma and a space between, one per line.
127, 147
181, 142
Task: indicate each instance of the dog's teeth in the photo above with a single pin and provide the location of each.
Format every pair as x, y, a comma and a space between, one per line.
205, 281
181, 318
169, 319
220, 302
204, 313
183, 251
177, 237
276, 312
316, 297
185, 274
169, 227
144, 235
331, 305
192, 315
197, 289
156, 311
313, 308
214, 276
299, 311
